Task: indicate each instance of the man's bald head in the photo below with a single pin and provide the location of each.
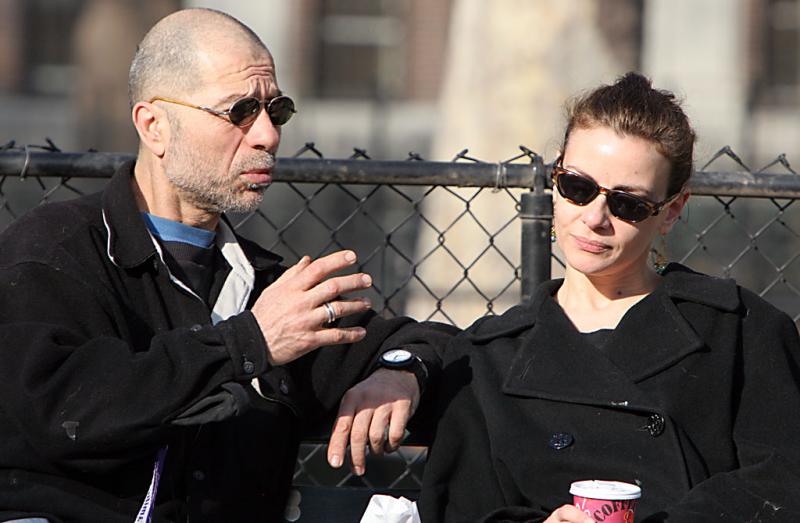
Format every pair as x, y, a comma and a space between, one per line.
169, 59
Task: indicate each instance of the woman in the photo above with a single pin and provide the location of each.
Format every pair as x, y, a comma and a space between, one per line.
681, 383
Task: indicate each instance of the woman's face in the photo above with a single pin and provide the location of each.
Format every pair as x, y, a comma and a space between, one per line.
595, 242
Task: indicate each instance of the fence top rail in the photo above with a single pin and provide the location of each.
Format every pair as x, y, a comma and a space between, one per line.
15, 163
299, 170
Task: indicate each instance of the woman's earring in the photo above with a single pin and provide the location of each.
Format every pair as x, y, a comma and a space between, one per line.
552, 234
659, 253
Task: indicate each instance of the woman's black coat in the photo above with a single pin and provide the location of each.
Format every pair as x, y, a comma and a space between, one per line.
695, 399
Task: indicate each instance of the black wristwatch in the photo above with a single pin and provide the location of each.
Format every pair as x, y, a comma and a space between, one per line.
401, 359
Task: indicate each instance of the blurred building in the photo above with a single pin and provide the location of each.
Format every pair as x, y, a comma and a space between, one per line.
364, 73
368, 73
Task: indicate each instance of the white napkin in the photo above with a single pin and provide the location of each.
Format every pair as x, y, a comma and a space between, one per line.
388, 509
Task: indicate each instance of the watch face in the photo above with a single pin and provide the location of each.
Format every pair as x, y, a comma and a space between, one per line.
396, 356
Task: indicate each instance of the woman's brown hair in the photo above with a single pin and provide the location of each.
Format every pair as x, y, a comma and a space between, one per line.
631, 106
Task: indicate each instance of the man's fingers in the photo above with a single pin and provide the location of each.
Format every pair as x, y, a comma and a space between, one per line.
321, 268
330, 289
338, 336
301, 264
342, 308
377, 429
337, 445
312, 340
401, 411
358, 440
292, 271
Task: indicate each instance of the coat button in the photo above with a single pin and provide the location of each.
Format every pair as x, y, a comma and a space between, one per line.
560, 440
655, 425
284, 386
198, 475
248, 367
196, 327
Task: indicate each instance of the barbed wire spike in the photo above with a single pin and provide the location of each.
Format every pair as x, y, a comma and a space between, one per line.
412, 156
528, 152
727, 151
359, 153
462, 155
780, 159
309, 146
53, 148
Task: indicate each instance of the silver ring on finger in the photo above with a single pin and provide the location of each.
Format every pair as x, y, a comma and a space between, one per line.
330, 311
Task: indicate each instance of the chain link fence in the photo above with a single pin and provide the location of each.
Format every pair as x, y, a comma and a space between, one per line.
452, 241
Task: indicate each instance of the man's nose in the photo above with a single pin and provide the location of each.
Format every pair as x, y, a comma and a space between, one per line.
263, 134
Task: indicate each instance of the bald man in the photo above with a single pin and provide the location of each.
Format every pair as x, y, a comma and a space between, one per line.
153, 364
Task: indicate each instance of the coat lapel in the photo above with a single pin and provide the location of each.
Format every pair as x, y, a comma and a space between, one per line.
555, 362
652, 337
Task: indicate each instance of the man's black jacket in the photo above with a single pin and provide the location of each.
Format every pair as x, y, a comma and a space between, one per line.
104, 361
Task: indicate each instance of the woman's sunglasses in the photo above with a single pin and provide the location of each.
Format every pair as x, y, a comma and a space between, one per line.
243, 112
580, 190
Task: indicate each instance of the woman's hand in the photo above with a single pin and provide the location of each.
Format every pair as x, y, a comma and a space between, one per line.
568, 514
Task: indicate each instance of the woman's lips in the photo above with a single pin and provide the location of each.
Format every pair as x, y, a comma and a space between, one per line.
590, 246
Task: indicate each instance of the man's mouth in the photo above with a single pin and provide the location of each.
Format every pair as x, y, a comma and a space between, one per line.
257, 178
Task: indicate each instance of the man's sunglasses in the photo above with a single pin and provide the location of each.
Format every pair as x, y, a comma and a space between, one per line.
245, 111
580, 190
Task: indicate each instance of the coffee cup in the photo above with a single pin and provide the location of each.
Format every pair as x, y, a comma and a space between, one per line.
606, 501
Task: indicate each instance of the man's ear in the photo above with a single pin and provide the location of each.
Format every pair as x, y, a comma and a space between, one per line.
673, 211
152, 126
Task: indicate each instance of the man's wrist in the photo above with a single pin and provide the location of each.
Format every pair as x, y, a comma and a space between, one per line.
402, 359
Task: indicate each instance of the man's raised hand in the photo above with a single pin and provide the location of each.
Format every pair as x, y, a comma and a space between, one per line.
292, 313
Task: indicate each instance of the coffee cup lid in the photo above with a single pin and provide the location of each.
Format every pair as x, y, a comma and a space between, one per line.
601, 489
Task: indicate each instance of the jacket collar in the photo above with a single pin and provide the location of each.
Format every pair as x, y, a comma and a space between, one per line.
682, 283
679, 283
129, 243
554, 361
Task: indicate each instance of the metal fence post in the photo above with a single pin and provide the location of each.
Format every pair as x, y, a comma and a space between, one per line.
536, 214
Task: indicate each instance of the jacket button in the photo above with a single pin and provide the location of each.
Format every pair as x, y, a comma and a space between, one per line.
196, 327
284, 387
560, 440
198, 475
248, 367
655, 425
